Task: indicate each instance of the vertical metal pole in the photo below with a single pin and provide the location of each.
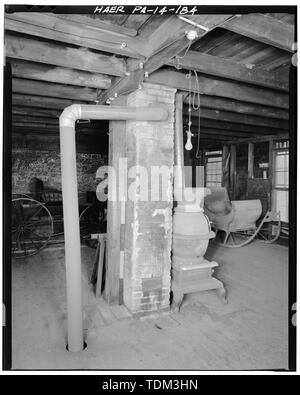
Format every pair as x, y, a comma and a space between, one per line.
232, 171
72, 238
70, 200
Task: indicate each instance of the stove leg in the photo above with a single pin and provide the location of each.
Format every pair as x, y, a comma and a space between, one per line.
222, 294
177, 301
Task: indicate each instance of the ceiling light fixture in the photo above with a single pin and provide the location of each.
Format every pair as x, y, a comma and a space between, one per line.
191, 35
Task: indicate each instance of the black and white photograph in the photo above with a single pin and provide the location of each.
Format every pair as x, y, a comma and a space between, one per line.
149, 189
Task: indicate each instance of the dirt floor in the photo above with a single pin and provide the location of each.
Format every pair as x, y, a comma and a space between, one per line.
251, 332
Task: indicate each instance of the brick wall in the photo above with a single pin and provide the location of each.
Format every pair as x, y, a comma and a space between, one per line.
43, 164
148, 228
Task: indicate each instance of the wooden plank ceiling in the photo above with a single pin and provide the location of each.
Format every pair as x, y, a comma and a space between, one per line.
242, 65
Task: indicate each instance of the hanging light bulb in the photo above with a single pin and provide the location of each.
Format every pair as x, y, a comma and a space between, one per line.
188, 145
191, 35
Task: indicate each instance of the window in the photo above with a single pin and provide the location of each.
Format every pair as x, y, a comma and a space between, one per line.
282, 169
281, 179
213, 169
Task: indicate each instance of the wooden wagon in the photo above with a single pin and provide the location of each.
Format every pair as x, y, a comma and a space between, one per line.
37, 221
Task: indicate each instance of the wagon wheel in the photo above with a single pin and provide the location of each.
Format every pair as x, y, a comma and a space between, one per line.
31, 227
270, 230
20, 195
91, 221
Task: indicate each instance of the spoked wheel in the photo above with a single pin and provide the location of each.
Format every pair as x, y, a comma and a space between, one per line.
31, 228
20, 195
92, 220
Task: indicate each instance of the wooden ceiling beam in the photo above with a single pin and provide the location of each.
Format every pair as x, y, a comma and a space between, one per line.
36, 126
224, 104
27, 134
51, 122
238, 118
214, 65
260, 139
53, 27
263, 28
169, 31
62, 75
218, 132
211, 144
164, 43
222, 125
53, 54
35, 112
29, 87
99, 24
150, 25
221, 88
36, 130
34, 120
42, 101
174, 28
206, 136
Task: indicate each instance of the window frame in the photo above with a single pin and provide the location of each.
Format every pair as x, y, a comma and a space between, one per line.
280, 146
216, 154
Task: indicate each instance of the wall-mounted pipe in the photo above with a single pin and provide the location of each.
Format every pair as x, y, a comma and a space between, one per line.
70, 199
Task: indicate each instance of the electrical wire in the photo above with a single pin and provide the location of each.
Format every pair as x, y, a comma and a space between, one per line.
190, 109
177, 57
162, 48
196, 92
196, 107
198, 153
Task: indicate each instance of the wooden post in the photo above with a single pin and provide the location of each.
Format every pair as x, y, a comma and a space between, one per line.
102, 242
271, 176
250, 160
225, 167
179, 176
200, 176
117, 150
188, 173
193, 170
232, 170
